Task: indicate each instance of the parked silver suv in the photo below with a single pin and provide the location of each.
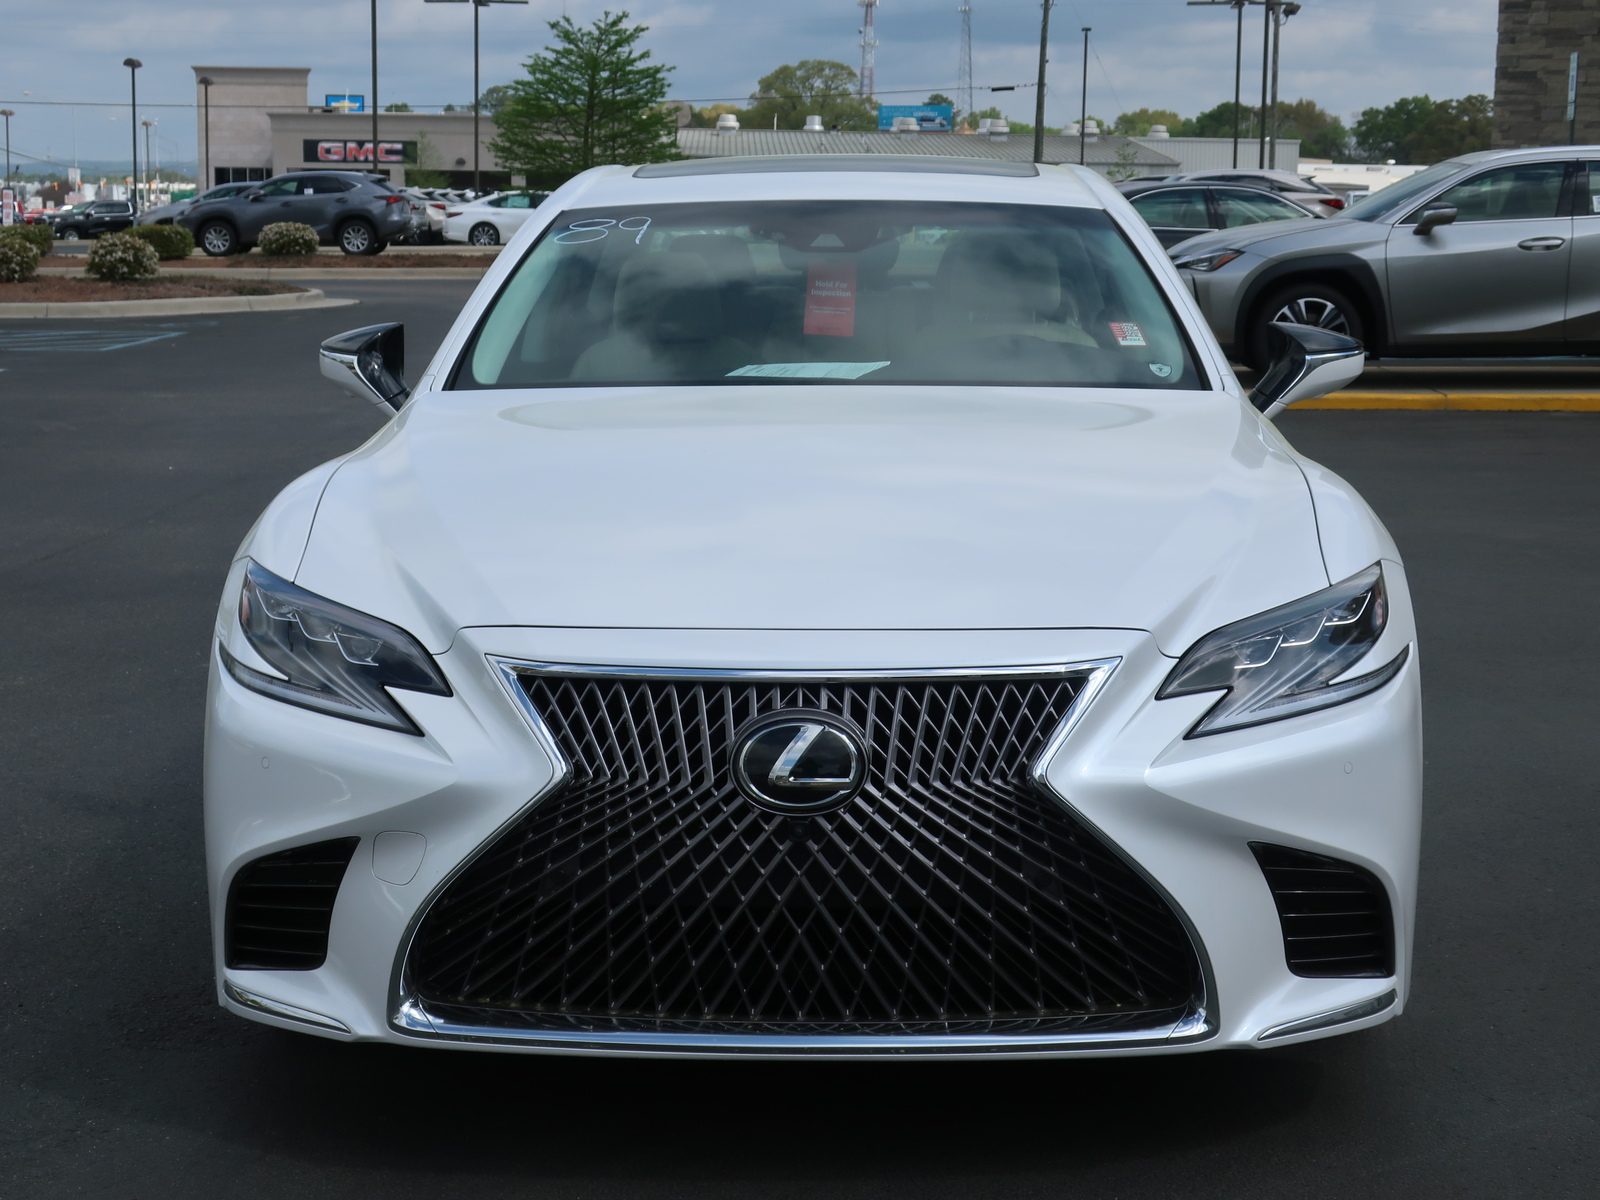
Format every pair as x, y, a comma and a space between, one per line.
359, 213
1487, 254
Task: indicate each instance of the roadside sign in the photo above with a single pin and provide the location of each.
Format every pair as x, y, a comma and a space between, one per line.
930, 118
8, 207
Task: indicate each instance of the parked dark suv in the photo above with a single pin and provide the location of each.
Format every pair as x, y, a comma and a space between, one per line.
93, 219
356, 212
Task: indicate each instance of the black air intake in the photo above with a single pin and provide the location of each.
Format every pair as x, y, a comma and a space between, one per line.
280, 906
1335, 915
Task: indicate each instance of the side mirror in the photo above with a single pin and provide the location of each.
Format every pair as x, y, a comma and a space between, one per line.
255, 197
370, 363
1307, 362
1434, 216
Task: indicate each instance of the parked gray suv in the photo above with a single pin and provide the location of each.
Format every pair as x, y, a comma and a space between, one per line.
1491, 254
358, 213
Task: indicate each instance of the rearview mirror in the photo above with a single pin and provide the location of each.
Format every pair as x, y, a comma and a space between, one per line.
1307, 362
369, 363
1433, 216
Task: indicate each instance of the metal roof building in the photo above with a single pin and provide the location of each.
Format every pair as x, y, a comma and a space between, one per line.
1104, 154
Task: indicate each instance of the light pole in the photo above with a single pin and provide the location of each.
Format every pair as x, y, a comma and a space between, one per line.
1083, 106
148, 125
1281, 11
1238, 58
205, 82
374, 100
133, 65
7, 114
477, 93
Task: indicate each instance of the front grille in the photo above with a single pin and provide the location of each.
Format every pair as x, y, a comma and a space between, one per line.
1335, 915
950, 896
280, 907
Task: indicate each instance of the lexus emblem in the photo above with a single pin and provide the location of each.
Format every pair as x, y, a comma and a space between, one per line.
797, 761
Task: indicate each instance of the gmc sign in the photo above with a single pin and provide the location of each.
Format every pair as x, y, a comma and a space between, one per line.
358, 152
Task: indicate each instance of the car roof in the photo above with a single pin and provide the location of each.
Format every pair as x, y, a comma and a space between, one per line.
1525, 153
840, 177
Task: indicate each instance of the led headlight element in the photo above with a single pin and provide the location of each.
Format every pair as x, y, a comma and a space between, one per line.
1280, 663
1207, 262
334, 659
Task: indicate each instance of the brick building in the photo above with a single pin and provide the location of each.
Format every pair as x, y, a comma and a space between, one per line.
1537, 38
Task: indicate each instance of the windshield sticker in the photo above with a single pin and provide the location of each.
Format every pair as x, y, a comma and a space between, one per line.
1161, 370
810, 370
831, 296
1127, 333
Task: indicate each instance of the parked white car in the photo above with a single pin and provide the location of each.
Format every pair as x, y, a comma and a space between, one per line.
492, 221
818, 609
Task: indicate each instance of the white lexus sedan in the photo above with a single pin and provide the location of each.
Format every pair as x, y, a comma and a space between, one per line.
819, 607
490, 221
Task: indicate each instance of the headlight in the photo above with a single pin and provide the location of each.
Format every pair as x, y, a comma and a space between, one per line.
1279, 663
1206, 262
334, 659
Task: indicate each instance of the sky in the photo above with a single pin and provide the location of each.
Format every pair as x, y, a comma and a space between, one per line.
1345, 54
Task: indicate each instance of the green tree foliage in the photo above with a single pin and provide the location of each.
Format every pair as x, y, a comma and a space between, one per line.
591, 98
706, 118
1319, 132
397, 106
1138, 122
811, 87
1418, 129
1018, 128
493, 99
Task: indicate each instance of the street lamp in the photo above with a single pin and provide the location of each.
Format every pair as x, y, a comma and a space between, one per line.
477, 174
205, 81
1281, 11
133, 65
7, 114
1238, 59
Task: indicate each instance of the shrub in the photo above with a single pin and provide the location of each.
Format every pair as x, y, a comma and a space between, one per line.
40, 237
287, 238
170, 241
18, 258
121, 258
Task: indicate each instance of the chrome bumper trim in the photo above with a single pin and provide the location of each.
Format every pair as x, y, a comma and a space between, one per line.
1339, 1016
277, 1008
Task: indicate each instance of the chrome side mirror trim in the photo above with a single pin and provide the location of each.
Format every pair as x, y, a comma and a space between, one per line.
369, 363
1433, 216
1307, 362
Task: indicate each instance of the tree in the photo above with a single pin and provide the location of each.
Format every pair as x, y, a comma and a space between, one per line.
1418, 129
706, 118
397, 106
812, 87
590, 99
1020, 128
1319, 132
1139, 122
493, 99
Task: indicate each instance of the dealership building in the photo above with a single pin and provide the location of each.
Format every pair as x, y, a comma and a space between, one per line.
262, 122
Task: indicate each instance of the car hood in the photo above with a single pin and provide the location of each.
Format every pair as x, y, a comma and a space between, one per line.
814, 507
1278, 237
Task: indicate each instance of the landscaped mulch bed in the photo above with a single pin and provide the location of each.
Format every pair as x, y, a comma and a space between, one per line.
59, 289
376, 262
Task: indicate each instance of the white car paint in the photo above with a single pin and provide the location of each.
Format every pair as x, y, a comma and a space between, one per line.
932, 528
501, 211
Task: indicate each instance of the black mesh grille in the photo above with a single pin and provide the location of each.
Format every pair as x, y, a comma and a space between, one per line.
279, 907
950, 896
1335, 915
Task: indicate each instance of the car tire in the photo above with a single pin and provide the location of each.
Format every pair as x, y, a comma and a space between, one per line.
1314, 304
218, 239
358, 238
70, 235
483, 234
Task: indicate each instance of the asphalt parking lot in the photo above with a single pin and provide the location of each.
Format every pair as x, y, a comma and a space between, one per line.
133, 458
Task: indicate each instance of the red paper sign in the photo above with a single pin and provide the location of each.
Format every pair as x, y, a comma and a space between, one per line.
831, 296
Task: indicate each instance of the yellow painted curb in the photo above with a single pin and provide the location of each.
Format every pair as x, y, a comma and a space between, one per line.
1461, 401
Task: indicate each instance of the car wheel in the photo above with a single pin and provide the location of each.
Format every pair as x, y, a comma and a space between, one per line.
484, 234
219, 239
70, 235
1312, 304
359, 238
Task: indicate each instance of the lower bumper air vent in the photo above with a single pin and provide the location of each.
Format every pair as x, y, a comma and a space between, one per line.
1335, 915
280, 906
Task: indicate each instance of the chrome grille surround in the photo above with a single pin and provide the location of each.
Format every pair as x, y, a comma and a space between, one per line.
571, 813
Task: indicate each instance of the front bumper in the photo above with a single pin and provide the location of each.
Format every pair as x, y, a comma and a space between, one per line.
1344, 782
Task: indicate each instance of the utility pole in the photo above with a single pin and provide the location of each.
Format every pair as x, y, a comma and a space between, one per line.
7, 114
148, 125
1038, 99
1083, 103
374, 100
477, 90
1266, 55
205, 82
133, 65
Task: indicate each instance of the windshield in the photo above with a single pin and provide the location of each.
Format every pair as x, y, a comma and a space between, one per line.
1383, 202
830, 291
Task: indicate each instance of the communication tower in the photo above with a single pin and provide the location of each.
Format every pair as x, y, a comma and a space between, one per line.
869, 46
964, 68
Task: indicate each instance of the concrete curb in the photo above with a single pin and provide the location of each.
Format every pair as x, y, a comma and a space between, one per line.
182, 306
1458, 401
289, 274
